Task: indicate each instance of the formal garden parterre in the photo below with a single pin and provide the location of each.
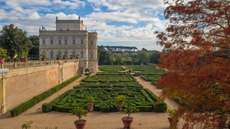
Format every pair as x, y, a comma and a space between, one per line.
104, 88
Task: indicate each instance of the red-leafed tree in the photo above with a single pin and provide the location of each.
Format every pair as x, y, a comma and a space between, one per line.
198, 62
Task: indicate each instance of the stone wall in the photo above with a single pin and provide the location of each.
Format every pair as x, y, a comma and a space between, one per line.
20, 85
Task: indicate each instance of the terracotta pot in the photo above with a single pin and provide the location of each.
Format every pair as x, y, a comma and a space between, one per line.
71, 57
24, 59
64, 58
77, 57
127, 121
58, 58
171, 121
90, 105
2, 60
222, 122
80, 124
43, 59
130, 71
120, 105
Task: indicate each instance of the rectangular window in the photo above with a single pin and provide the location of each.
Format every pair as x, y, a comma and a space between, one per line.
51, 41
60, 54
82, 41
91, 42
82, 55
59, 41
65, 41
44, 41
51, 55
73, 41
91, 55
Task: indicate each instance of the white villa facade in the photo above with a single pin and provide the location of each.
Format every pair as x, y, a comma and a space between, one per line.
69, 38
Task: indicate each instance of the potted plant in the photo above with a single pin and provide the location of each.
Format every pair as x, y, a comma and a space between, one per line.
2, 55
131, 70
77, 56
120, 100
64, 57
111, 63
91, 103
127, 68
127, 121
71, 56
80, 124
222, 119
24, 57
86, 70
58, 56
43, 56
131, 63
85, 64
170, 112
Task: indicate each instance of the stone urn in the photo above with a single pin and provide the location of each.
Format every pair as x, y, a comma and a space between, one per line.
2, 60
80, 124
120, 105
90, 106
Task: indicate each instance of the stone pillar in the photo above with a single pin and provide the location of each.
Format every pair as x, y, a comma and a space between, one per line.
2, 96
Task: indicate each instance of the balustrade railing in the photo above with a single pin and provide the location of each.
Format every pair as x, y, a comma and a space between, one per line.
17, 65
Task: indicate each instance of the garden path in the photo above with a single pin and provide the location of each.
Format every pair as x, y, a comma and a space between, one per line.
95, 120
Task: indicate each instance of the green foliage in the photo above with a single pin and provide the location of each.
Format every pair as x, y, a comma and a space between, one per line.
77, 55
79, 111
3, 52
170, 112
112, 59
143, 56
71, 55
14, 40
43, 55
34, 51
120, 98
25, 54
90, 99
130, 109
27, 125
58, 55
86, 70
111, 78
89, 73
64, 55
122, 60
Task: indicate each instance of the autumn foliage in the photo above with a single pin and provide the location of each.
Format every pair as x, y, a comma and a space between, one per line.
198, 63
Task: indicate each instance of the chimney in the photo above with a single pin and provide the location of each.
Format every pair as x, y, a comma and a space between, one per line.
56, 18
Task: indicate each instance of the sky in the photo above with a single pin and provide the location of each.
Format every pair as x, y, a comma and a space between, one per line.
117, 22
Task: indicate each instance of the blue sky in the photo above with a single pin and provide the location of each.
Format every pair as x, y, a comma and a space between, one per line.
117, 22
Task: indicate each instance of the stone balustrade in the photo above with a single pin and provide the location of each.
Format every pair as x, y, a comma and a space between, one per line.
17, 65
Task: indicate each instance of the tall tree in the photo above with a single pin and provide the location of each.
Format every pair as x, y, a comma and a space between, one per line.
143, 56
14, 40
104, 56
198, 69
35, 42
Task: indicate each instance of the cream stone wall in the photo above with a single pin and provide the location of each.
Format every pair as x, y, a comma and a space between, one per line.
25, 83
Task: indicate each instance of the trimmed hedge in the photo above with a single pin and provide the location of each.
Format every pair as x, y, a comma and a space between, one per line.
89, 73
28, 104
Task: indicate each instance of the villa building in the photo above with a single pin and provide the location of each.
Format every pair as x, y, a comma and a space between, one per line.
69, 38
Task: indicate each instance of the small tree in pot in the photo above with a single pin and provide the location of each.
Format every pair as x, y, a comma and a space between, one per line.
170, 112
77, 56
71, 56
127, 121
80, 124
43, 56
58, 56
120, 100
64, 57
2, 55
91, 103
131, 70
24, 56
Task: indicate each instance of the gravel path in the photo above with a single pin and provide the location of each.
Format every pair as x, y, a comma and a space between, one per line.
95, 120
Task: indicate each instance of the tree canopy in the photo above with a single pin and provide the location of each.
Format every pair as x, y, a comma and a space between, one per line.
14, 40
143, 56
198, 63
35, 42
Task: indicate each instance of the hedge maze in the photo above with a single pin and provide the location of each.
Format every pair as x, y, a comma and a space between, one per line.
104, 88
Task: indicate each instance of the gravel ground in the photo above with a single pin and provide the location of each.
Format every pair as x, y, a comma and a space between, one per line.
95, 120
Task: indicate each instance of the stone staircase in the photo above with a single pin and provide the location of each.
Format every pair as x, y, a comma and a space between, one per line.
80, 70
